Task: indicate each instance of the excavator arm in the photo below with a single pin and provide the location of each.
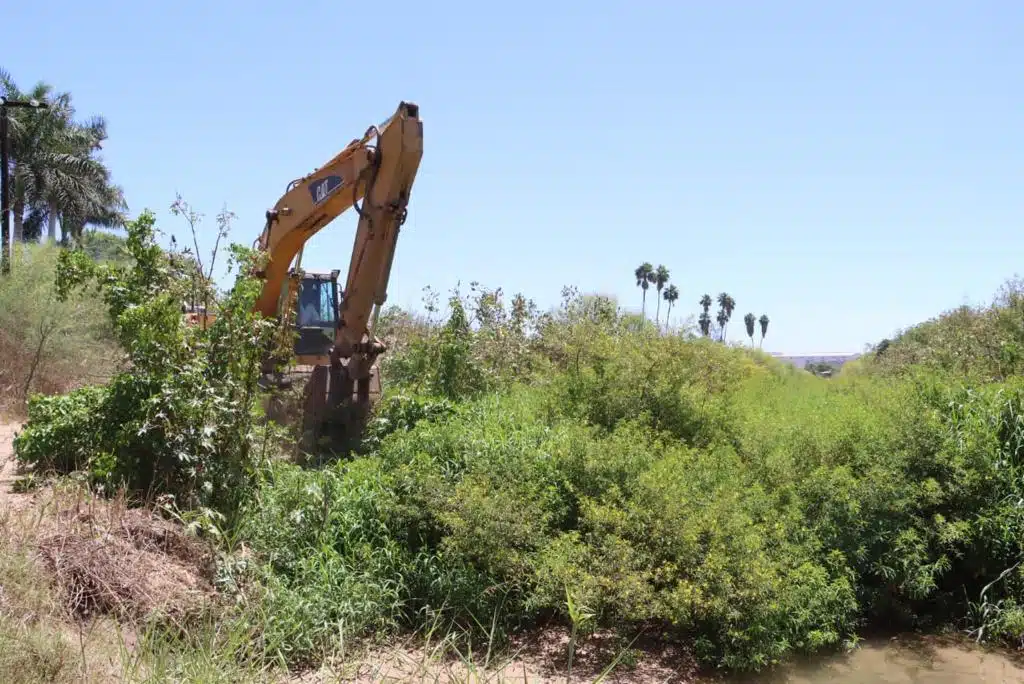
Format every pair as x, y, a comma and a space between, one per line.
374, 175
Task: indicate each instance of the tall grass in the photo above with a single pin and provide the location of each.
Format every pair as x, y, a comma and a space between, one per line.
48, 346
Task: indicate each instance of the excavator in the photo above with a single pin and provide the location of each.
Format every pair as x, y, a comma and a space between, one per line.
335, 345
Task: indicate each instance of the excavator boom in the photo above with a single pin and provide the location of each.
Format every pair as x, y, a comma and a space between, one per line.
380, 167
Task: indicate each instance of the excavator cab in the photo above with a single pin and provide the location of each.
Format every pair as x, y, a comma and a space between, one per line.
317, 319
317, 313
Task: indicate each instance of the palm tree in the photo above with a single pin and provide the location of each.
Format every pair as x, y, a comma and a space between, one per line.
644, 275
749, 321
721, 319
80, 192
764, 327
726, 306
671, 295
88, 199
705, 324
105, 207
56, 173
26, 130
660, 277
705, 318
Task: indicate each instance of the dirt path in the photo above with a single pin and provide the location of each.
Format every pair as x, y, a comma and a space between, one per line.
9, 471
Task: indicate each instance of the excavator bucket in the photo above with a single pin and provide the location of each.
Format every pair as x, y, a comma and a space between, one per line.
337, 414
333, 406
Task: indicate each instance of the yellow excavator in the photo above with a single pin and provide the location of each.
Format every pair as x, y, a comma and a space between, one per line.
335, 343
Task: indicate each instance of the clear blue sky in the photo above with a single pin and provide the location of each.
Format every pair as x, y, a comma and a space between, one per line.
847, 168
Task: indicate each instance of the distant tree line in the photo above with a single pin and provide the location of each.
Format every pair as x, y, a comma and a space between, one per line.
821, 369
647, 275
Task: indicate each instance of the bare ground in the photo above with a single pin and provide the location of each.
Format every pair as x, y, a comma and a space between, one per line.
8, 469
540, 657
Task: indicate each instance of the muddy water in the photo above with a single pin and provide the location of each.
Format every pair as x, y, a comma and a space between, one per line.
903, 661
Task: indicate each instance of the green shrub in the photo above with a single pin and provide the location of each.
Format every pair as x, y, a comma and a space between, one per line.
976, 343
180, 421
736, 504
492, 513
526, 467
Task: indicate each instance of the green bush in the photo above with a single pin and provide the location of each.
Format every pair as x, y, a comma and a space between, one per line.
180, 420
652, 481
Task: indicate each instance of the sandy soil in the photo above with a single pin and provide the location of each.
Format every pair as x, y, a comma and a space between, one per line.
536, 658
9, 500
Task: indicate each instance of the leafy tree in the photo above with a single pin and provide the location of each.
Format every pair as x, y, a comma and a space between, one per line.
764, 327
661, 277
726, 306
820, 369
671, 295
102, 246
644, 275
749, 321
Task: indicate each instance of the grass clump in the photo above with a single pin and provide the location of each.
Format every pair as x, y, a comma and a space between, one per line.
29, 650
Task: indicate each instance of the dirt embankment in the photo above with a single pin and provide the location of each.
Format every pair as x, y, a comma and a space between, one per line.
106, 558
72, 564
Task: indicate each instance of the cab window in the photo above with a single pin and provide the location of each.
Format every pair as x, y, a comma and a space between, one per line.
316, 304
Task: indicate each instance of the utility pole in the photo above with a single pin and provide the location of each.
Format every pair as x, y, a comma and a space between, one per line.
5, 168
5, 176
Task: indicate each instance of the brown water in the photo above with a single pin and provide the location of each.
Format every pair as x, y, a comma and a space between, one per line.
908, 660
